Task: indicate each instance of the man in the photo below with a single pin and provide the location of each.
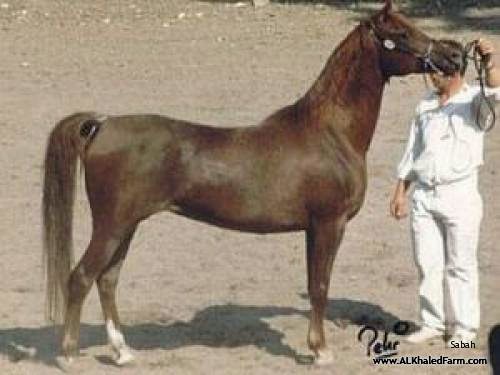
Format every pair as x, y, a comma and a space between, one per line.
442, 157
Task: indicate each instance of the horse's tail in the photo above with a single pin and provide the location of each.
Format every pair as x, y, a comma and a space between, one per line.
66, 142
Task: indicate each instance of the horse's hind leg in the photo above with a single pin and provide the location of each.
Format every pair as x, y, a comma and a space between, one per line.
99, 253
106, 284
323, 240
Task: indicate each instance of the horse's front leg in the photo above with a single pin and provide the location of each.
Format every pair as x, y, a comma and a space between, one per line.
323, 238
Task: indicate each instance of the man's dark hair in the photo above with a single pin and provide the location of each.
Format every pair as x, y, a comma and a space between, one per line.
461, 56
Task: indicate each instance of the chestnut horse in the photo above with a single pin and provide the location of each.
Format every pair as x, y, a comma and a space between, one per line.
302, 168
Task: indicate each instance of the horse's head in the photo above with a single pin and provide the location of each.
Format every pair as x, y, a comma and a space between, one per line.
404, 49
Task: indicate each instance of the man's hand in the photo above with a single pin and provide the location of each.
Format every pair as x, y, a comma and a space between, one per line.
486, 50
399, 207
399, 204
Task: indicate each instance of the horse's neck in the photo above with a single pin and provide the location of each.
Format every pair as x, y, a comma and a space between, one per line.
346, 97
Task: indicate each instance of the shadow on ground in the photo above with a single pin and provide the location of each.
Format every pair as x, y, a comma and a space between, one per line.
219, 326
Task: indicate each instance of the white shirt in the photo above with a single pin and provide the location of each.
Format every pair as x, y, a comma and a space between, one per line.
445, 144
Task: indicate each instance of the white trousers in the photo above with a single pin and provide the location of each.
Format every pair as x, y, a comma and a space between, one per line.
445, 222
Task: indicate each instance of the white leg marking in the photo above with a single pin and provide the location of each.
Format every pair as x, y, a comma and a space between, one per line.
123, 354
324, 357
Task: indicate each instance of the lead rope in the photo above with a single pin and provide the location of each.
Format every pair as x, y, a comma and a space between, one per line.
480, 66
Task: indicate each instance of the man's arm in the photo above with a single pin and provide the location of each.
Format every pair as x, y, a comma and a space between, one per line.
487, 51
493, 76
398, 206
399, 201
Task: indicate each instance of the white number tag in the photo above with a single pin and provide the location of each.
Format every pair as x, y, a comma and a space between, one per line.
389, 44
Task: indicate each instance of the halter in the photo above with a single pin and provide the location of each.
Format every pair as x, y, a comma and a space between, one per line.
388, 43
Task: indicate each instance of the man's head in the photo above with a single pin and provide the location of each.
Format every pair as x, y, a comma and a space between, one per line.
445, 83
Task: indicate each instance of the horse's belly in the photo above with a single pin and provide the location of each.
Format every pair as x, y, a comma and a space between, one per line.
246, 211
245, 224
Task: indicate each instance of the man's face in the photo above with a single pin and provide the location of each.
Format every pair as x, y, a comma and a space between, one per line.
443, 83
440, 82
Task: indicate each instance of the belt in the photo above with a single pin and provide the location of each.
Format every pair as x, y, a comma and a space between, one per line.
466, 183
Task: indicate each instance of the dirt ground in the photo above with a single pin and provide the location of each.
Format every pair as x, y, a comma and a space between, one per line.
195, 299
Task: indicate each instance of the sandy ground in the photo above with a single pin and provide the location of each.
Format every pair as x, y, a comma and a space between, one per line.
197, 299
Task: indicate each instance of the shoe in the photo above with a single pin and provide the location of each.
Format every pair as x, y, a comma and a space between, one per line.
422, 335
461, 339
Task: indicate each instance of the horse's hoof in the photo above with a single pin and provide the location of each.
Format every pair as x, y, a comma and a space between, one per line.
124, 357
65, 363
323, 358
